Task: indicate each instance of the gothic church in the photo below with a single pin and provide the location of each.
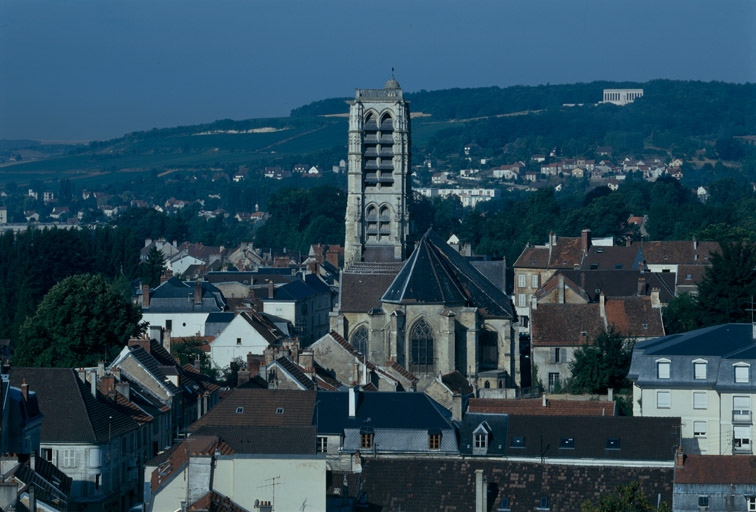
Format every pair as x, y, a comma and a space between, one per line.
432, 312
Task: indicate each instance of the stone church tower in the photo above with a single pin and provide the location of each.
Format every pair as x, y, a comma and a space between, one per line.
377, 215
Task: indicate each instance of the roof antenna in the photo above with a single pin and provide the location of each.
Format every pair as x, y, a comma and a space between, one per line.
392, 72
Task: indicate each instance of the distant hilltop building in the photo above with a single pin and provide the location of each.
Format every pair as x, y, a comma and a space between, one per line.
377, 217
621, 96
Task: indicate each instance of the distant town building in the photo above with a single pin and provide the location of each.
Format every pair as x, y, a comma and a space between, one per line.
621, 96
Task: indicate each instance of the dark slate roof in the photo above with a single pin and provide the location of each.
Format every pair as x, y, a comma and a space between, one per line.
437, 274
719, 340
291, 439
259, 408
152, 365
72, 414
617, 283
640, 438
220, 317
564, 324
427, 484
495, 424
174, 295
296, 373
363, 284
45, 477
679, 252
613, 258
379, 409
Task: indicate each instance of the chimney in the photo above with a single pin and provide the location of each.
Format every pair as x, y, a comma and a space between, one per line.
585, 240
198, 292
156, 332
145, 344
695, 244
107, 386
655, 301
641, 286
124, 389
242, 377
602, 305
146, 296
270, 355
543, 400
679, 458
306, 359
610, 394
163, 278
353, 395
481, 491
93, 384
167, 340
100, 368
552, 239
25, 390
253, 364
332, 257
560, 291
457, 407
271, 289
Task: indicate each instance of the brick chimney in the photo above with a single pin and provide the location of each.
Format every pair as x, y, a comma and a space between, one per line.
145, 296
679, 458
141, 342
332, 257
25, 391
585, 240
253, 364
242, 377
641, 286
107, 386
198, 292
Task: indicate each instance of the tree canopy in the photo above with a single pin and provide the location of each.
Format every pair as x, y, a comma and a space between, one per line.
81, 320
601, 365
628, 498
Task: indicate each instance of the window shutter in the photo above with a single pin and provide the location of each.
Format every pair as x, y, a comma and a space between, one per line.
699, 400
563, 355
741, 403
552, 355
742, 432
663, 399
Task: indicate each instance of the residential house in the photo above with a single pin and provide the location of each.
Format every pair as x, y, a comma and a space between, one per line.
181, 307
196, 254
167, 249
353, 425
306, 303
704, 377
206, 472
724, 483
448, 389
89, 439
248, 332
558, 330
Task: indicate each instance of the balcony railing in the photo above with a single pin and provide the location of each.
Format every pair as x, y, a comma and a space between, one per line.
741, 416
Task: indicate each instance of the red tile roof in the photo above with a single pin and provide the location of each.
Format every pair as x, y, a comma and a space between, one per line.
565, 324
717, 469
567, 253
534, 407
635, 316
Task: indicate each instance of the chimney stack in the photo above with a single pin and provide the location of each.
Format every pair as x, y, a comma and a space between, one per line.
198, 292
353, 396
481, 491
107, 386
457, 407
543, 400
271, 289
602, 306
100, 368
93, 383
124, 389
679, 458
196, 364
145, 296
560, 291
145, 344
25, 390
242, 377
641, 286
306, 359
655, 300
585, 240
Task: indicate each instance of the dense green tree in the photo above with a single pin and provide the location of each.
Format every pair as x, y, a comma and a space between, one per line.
602, 364
681, 314
153, 267
189, 349
729, 285
628, 498
81, 320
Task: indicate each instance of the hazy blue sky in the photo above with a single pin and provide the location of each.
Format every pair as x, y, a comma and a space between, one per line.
80, 69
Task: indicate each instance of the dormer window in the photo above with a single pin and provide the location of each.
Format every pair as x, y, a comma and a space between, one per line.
480, 439
434, 441
662, 369
742, 373
699, 369
366, 440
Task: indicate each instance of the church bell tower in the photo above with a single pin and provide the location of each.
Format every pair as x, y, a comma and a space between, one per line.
379, 183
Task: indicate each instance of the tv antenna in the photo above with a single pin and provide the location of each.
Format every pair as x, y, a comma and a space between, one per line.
273, 483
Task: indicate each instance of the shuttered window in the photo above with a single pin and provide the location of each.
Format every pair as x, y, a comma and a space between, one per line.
699, 400
663, 400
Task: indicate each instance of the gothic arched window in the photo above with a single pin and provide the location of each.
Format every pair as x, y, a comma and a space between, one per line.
421, 336
359, 339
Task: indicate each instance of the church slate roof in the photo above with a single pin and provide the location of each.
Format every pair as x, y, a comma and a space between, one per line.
362, 285
437, 274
